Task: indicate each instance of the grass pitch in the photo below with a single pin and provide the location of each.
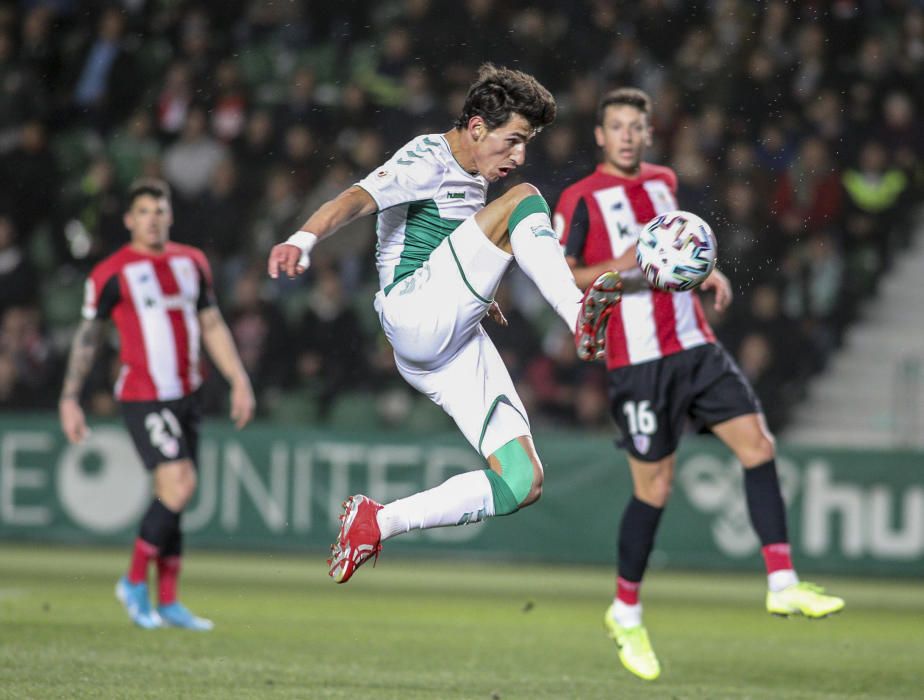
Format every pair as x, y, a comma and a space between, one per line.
438, 631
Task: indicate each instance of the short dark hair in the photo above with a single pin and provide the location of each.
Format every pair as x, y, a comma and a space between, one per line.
633, 97
147, 186
499, 93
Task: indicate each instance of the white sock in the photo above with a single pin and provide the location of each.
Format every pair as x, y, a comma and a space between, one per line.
539, 254
626, 615
778, 580
464, 498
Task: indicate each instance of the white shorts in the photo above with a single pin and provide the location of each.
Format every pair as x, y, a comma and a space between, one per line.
433, 321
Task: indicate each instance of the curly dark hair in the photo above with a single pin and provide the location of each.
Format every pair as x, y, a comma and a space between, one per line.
630, 96
500, 92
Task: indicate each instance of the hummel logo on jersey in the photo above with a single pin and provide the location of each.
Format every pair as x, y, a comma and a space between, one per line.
540, 231
617, 206
455, 195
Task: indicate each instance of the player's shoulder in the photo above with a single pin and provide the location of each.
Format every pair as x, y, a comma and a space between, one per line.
175, 249
424, 151
422, 162
652, 171
573, 192
111, 265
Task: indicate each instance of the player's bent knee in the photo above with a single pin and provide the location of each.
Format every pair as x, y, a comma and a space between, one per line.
759, 452
175, 484
518, 482
519, 192
655, 493
535, 491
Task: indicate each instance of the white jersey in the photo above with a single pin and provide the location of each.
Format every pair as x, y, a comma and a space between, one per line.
422, 194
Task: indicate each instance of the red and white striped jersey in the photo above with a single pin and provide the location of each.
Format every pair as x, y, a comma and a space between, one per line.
599, 218
154, 301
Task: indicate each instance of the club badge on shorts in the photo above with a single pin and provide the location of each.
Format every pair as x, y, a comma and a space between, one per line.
642, 443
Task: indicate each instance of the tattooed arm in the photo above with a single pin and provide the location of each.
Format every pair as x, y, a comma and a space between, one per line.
83, 353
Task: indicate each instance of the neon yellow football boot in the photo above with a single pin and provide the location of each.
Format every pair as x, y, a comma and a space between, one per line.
635, 650
803, 599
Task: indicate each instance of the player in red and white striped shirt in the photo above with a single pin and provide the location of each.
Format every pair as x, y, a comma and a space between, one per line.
159, 295
665, 366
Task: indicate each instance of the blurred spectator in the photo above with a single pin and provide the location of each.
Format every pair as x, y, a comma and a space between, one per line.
18, 283
256, 153
134, 150
106, 85
174, 99
874, 189
300, 157
216, 221
277, 213
756, 359
330, 349
22, 96
260, 333
31, 179
23, 341
190, 162
94, 226
301, 105
229, 106
808, 193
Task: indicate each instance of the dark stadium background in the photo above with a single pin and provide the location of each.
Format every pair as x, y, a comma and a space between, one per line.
772, 114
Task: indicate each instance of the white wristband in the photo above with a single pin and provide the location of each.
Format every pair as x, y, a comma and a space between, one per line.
304, 241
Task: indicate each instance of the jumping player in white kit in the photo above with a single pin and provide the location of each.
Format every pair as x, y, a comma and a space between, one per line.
441, 255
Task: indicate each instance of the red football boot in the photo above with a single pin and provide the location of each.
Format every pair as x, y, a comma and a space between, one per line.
359, 538
596, 306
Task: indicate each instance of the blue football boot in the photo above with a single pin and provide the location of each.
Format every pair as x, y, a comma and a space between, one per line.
177, 615
134, 598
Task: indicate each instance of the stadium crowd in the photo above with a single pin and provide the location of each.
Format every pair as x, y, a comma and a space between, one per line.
793, 128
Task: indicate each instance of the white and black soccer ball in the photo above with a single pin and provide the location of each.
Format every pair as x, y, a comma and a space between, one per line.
676, 251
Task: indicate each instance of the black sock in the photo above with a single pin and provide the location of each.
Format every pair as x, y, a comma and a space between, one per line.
173, 547
765, 503
636, 538
158, 525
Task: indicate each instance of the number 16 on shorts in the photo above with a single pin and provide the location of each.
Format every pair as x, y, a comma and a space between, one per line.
642, 422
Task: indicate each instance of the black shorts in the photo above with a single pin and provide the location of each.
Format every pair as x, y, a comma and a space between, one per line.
652, 401
164, 431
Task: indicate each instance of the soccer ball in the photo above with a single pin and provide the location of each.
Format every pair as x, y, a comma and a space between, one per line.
676, 251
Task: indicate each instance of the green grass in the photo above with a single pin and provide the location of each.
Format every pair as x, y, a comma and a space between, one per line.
442, 631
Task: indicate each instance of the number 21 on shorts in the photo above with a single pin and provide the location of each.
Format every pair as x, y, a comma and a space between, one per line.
641, 419
164, 432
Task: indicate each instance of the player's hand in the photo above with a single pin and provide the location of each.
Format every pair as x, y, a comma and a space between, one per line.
718, 283
284, 257
494, 311
243, 404
73, 421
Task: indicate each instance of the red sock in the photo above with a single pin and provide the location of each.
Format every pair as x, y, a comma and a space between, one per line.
777, 557
627, 591
142, 555
168, 573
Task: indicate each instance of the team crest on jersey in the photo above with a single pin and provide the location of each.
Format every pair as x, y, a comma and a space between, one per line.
642, 443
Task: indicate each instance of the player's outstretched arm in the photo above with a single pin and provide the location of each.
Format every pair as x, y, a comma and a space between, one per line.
220, 345
719, 283
585, 275
292, 257
80, 361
